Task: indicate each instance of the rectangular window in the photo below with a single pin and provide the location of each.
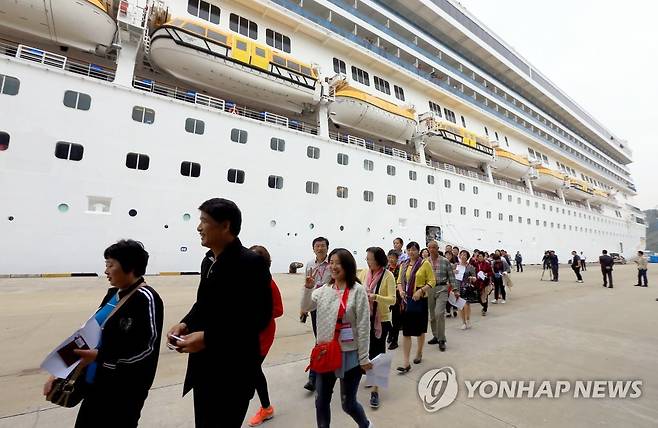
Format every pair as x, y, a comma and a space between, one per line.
462, 210
342, 159
413, 176
486, 131
463, 122
500, 196
450, 115
413, 203
518, 201
382, 85
277, 40
399, 92
277, 144
390, 170
431, 205
239, 136
520, 219
77, 100
243, 26
435, 108
339, 66
368, 196
195, 126
496, 134
500, 216
190, 169
341, 192
235, 176
462, 187
537, 222
531, 153
509, 198
448, 208
476, 190
368, 165
391, 199
489, 214
446, 183
360, 76
275, 182
430, 179
506, 142
312, 187
203, 10
511, 218
529, 221
137, 161
143, 115
9, 85
313, 152
69, 151
527, 202
476, 212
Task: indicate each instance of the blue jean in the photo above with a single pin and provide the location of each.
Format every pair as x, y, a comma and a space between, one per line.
349, 386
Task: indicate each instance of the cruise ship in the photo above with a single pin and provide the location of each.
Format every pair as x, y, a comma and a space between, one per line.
357, 120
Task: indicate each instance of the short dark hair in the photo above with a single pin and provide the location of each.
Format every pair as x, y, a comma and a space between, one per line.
456, 248
320, 239
605, 251
130, 254
380, 256
413, 244
399, 239
262, 251
640, 252
220, 210
393, 253
348, 264
468, 255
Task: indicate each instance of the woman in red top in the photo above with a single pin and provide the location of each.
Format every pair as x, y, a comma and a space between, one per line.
483, 276
266, 410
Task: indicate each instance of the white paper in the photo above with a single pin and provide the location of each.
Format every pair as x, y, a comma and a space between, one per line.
482, 275
89, 333
458, 303
459, 275
381, 369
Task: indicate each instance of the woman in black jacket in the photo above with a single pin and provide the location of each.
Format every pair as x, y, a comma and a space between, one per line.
120, 371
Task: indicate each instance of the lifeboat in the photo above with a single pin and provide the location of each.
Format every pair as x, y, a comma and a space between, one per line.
450, 142
511, 165
577, 190
361, 111
82, 24
548, 179
221, 61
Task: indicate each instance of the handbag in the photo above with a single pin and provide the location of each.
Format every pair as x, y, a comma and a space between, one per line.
71, 391
327, 357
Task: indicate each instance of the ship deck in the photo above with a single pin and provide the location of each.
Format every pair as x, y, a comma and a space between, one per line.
546, 331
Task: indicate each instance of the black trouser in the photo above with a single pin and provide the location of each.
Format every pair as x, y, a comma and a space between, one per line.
555, 272
261, 386
499, 288
576, 270
378, 345
583, 265
519, 265
448, 308
396, 318
642, 273
212, 412
607, 277
97, 409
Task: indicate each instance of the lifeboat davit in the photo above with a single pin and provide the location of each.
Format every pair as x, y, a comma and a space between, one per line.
452, 143
82, 24
194, 52
511, 165
361, 111
548, 179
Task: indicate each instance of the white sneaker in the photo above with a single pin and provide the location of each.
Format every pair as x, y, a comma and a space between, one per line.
370, 424
494, 302
502, 301
468, 324
464, 326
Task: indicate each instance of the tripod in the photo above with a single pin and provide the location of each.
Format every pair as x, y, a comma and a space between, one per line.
550, 272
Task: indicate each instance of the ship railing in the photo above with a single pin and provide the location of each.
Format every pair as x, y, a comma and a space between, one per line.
456, 170
367, 144
194, 97
510, 185
32, 54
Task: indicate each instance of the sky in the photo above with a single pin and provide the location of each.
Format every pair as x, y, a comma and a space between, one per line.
603, 54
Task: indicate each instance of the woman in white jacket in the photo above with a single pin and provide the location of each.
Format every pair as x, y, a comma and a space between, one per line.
354, 336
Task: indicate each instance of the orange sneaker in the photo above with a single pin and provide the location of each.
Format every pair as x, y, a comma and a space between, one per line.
261, 416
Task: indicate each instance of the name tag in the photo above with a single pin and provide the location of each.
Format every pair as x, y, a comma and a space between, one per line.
346, 333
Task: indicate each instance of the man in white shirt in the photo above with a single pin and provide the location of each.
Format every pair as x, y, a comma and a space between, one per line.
642, 265
317, 273
583, 263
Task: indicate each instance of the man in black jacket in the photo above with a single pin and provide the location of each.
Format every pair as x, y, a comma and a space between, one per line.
575, 265
606, 268
555, 265
221, 331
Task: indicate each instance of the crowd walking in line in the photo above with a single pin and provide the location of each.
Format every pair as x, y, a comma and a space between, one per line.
356, 316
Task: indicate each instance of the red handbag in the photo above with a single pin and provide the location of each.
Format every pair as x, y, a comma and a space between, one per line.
328, 356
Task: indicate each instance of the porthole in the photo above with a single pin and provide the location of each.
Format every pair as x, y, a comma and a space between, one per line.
311, 226
132, 213
368, 230
186, 217
166, 226
342, 228
62, 208
10, 218
273, 223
